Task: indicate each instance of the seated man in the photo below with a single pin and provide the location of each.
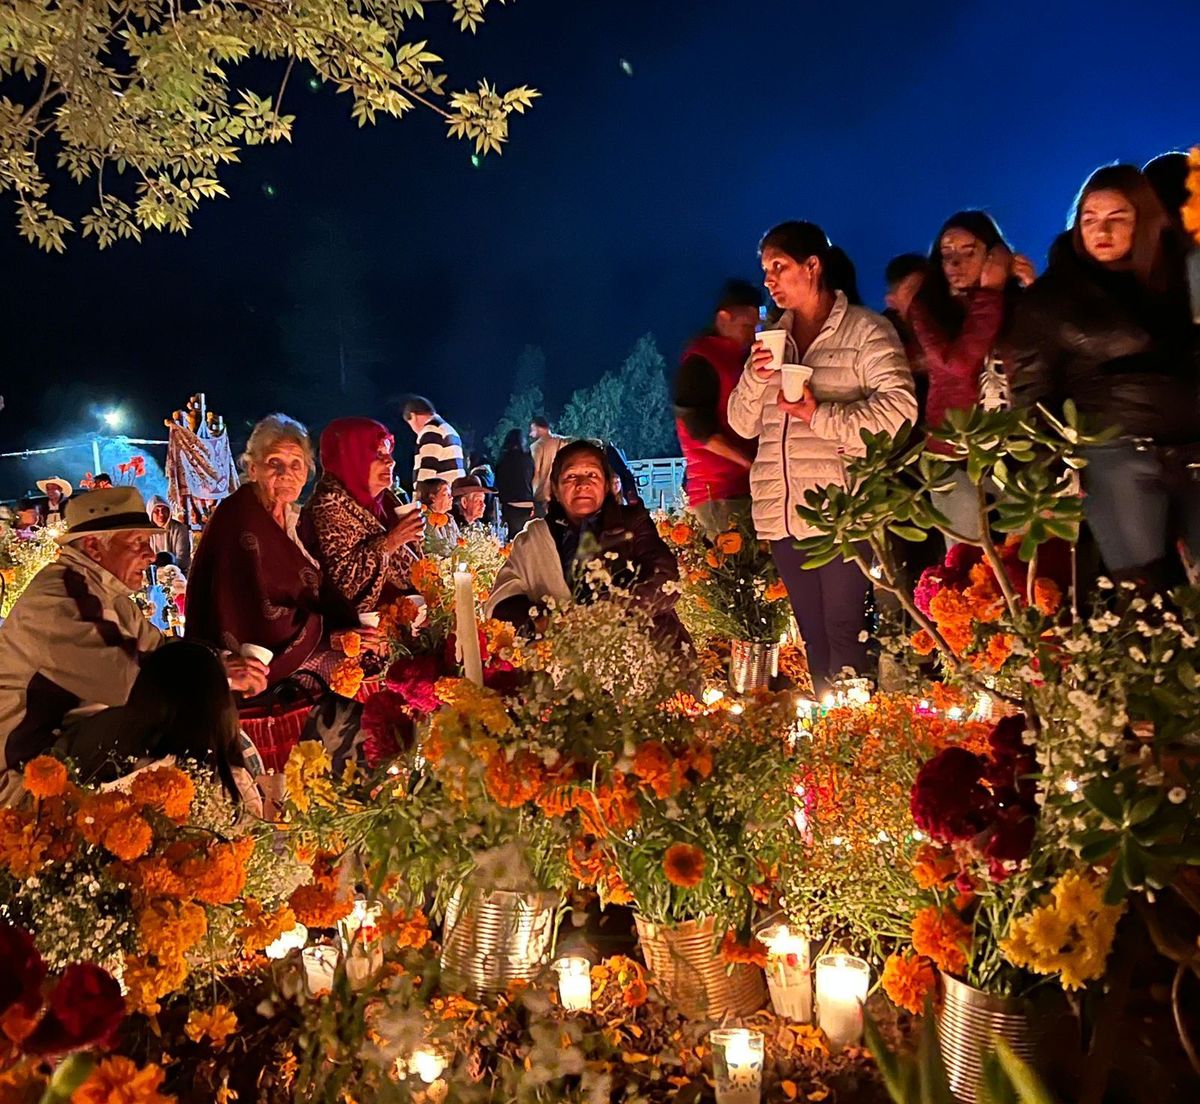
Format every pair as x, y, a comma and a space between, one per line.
78, 669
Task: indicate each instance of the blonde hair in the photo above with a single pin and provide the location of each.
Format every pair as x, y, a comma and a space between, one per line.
267, 435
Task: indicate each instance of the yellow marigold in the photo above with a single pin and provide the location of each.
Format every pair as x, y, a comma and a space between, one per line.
307, 763
500, 636
684, 865
351, 644
476, 703
776, 591
117, 1080
729, 543
165, 788
146, 983
216, 1025
169, 929
426, 577
260, 928
943, 937
128, 837
319, 905
45, 777
907, 980
346, 678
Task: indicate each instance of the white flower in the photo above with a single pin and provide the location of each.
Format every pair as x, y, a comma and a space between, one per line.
1177, 795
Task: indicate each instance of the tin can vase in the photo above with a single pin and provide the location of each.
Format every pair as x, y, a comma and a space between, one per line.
967, 1022
493, 937
752, 665
688, 969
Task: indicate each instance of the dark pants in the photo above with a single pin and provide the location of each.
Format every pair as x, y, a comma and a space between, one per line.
1137, 501
515, 518
830, 608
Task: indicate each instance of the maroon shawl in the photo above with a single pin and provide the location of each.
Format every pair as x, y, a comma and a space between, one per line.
251, 584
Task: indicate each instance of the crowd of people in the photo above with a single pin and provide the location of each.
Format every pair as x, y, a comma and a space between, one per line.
765, 413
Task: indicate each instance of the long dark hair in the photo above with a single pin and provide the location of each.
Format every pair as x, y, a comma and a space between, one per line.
1156, 256
801, 240
947, 310
514, 441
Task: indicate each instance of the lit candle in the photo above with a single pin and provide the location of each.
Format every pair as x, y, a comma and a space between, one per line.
464, 624
427, 1064
788, 977
320, 964
842, 982
712, 695
737, 1065
575, 983
361, 945
289, 941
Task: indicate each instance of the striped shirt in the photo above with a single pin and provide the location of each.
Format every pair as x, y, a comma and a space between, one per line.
439, 452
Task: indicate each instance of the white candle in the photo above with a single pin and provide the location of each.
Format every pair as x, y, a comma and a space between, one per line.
575, 983
465, 628
427, 1064
737, 1065
320, 964
289, 941
788, 977
360, 942
842, 982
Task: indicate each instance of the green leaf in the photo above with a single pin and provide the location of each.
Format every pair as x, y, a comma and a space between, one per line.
1030, 1089
892, 1066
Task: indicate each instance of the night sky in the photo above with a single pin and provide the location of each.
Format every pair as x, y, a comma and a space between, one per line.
619, 206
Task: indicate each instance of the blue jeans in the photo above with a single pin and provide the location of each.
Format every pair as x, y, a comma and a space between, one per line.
830, 607
1138, 500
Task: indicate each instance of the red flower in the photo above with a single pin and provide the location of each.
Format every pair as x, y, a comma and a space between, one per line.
85, 1010
23, 973
949, 800
414, 680
388, 726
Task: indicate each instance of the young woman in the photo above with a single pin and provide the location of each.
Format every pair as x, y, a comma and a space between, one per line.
860, 381
956, 319
514, 482
1108, 327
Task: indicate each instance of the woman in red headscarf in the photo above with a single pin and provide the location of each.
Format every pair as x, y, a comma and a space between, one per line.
354, 525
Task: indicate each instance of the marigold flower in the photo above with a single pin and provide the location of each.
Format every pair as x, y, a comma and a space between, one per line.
635, 994
346, 678
933, 868
260, 928
128, 837
307, 763
753, 953
218, 876
45, 777
684, 865
511, 783
117, 1080
776, 591
729, 543
216, 1025
907, 980
169, 929
943, 937
681, 533
654, 765
409, 930
319, 906
615, 891
426, 578
714, 558
165, 788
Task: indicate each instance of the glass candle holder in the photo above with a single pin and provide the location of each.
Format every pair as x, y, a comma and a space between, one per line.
789, 978
320, 964
737, 1064
289, 941
574, 983
842, 983
361, 943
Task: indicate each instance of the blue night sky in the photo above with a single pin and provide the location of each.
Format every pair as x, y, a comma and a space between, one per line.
620, 205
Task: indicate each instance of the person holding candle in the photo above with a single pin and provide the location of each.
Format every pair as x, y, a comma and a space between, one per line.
354, 526
584, 522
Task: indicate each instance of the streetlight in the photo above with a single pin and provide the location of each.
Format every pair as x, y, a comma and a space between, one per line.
113, 418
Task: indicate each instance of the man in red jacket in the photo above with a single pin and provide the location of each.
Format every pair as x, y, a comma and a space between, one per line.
718, 460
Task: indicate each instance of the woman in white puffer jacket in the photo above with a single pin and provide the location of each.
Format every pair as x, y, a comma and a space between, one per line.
861, 380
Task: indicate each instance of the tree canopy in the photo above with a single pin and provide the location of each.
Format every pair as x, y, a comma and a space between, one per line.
142, 101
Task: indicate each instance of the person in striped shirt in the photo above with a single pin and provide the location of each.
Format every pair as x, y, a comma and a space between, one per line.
439, 447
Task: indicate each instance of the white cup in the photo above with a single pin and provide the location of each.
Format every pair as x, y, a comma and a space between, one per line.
369, 620
257, 651
795, 376
776, 341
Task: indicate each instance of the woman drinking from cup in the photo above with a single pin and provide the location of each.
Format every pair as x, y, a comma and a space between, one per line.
845, 371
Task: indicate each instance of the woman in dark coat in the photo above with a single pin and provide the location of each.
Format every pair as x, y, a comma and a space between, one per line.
585, 521
1109, 327
514, 482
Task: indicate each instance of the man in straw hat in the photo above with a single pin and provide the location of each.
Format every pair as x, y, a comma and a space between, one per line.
79, 667
57, 490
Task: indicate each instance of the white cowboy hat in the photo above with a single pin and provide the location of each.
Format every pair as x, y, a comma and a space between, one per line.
108, 510
43, 485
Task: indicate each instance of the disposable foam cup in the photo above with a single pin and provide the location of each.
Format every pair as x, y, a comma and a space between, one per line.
369, 620
776, 341
795, 376
257, 651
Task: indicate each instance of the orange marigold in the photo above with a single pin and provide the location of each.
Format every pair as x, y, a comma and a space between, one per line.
908, 980
350, 644
218, 876
165, 788
681, 533
260, 928
943, 937
117, 1080
932, 868
614, 890
714, 558
346, 678
128, 837
216, 1025
45, 777
512, 783
753, 953
97, 811
654, 765
319, 906
169, 929
23, 1083
729, 543
635, 994
586, 861
409, 930
776, 591
684, 865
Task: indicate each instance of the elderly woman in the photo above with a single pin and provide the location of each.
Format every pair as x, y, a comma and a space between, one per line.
252, 581
437, 502
354, 525
585, 522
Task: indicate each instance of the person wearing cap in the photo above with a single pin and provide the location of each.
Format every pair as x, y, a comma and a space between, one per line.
172, 535
470, 496
77, 671
57, 491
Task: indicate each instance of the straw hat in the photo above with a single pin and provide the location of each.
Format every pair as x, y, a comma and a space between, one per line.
44, 486
108, 510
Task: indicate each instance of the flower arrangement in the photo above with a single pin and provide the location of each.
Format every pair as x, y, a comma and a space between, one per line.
22, 556
731, 589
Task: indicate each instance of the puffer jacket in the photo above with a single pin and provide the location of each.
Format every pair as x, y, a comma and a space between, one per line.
861, 380
1126, 356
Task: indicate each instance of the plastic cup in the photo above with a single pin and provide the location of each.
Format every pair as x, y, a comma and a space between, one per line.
776, 341
795, 376
257, 651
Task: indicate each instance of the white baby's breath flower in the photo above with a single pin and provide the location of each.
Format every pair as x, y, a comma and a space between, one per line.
1177, 795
